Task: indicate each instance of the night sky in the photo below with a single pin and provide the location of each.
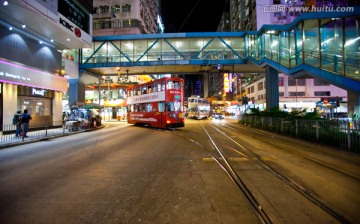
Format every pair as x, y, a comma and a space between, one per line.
180, 16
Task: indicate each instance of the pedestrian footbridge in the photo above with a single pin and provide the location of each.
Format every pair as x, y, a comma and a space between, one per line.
320, 45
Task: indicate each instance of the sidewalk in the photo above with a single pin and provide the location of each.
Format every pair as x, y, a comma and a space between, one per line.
10, 140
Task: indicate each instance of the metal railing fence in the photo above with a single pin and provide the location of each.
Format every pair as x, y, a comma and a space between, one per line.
341, 133
41, 130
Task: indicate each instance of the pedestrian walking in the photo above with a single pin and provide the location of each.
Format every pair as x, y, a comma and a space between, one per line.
25, 119
17, 123
64, 118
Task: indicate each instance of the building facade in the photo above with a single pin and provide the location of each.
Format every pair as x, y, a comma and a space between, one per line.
115, 17
33, 36
298, 95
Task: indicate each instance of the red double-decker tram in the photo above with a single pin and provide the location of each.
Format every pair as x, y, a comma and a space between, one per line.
158, 103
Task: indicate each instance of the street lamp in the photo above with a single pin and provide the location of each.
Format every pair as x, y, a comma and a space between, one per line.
108, 80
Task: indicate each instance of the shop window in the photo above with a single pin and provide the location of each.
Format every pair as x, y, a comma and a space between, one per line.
322, 93
281, 81
291, 82
35, 105
296, 93
319, 82
296, 82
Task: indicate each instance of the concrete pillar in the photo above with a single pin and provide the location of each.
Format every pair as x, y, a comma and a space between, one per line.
353, 105
272, 88
76, 91
206, 85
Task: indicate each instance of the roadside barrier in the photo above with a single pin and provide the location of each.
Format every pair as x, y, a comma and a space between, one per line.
343, 133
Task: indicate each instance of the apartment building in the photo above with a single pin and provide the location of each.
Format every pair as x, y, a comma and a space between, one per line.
115, 17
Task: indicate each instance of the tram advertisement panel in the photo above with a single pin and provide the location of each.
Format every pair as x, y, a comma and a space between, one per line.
150, 97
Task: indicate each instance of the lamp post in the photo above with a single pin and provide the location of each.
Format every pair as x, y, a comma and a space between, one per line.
108, 80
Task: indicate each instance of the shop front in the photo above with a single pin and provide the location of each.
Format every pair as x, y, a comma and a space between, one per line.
38, 102
112, 100
23, 87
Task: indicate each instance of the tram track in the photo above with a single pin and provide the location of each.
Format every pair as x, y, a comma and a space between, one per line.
303, 155
224, 163
289, 182
231, 173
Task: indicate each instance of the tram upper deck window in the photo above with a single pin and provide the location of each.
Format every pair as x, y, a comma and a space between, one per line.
177, 85
144, 90
163, 85
154, 86
170, 84
158, 84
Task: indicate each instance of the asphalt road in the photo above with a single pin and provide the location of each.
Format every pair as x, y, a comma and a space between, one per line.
128, 174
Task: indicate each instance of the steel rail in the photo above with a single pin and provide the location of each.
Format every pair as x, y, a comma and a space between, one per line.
302, 190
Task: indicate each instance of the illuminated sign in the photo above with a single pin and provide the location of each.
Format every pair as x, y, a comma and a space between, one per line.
13, 76
226, 83
73, 29
76, 14
40, 92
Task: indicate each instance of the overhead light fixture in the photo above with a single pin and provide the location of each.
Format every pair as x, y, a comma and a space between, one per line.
40, 42
5, 3
23, 26
68, 39
52, 40
10, 28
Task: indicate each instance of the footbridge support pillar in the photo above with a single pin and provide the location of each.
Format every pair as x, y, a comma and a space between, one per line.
353, 105
76, 91
272, 87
